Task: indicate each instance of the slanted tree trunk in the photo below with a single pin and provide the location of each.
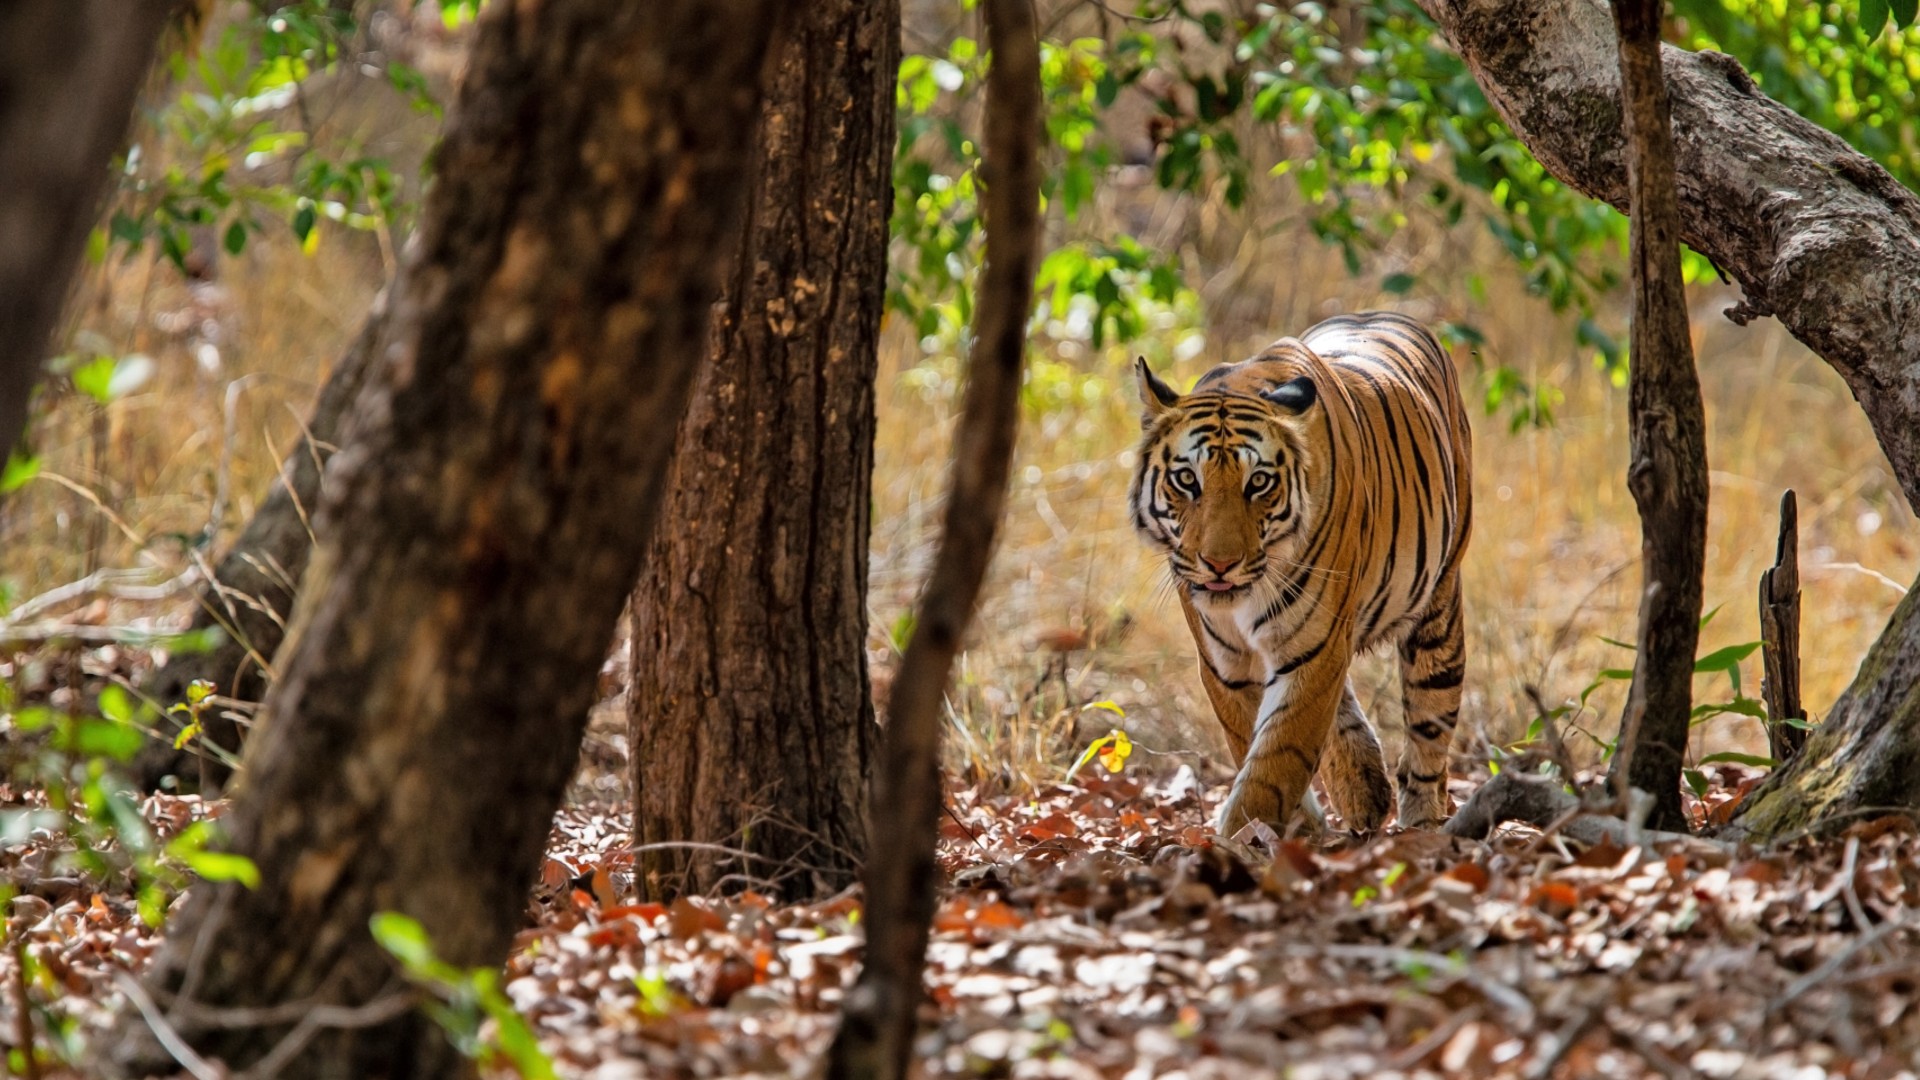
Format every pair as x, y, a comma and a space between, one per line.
751, 724
481, 529
1818, 236
69, 70
252, 592
877, 1024
1668, 471
1864, 758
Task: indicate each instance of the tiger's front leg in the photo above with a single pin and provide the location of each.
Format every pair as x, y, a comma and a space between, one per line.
1296, 714
1432, 665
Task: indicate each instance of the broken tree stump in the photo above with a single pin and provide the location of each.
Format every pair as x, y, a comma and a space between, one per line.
1780, 637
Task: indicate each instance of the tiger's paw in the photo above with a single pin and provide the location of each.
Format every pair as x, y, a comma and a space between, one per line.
1307, 821
1427, 809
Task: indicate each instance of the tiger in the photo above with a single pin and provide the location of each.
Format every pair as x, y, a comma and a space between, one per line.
1314, 501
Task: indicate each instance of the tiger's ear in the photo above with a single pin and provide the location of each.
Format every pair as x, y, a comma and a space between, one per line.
1295, 395
1157, 396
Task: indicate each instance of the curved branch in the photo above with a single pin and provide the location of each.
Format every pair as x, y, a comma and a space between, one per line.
1816, 233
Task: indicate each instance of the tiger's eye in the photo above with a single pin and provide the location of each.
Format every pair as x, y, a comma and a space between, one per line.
1259, 484
1186, 481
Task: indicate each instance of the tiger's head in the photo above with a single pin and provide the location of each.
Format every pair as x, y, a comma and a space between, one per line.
1222, 480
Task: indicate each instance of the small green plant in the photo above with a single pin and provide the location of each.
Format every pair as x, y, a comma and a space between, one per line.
1725, 660
462, 1001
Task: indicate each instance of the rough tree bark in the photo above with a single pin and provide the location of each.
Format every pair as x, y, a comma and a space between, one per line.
480, 532
751, 724
877, 1024
252, 592
1817, 235
1668, 470
69, 70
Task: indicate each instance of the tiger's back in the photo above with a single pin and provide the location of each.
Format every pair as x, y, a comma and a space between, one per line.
1315, 501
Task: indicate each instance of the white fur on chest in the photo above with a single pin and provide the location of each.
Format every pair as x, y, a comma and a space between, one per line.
1231, 642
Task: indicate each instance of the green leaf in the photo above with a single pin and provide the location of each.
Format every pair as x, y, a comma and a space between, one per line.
89, 737
1697, 780
236, 238
1759, 761
303, 220
1903, 12
20, 469
1873, 17
223, 866
95, 378
1726, 659
115, 705
407, 940
1399, 284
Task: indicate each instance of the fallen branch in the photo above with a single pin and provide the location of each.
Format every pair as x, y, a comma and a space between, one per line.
1544, 803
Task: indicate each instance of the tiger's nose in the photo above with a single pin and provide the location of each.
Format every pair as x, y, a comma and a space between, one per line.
1220, 566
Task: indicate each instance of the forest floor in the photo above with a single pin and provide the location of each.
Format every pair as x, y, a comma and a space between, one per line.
1098, 929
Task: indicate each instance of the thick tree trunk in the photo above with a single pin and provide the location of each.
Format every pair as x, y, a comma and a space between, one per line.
252, 592
751, 724
69, 70
481, 530
1668, 471
877, 1024
1816, 233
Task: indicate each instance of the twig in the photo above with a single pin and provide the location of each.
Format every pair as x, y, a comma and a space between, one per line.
719, 849
1866, 570
1562, 1042
1651, 1052
1849, 865
1556, 746
1490, 988
168, 1036
24, 1021
1409, 1059
113, 582
326, 1018
1839, 960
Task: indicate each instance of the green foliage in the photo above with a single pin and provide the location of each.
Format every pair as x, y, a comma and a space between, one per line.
232, 151
462, 1001
1823, 61
1101, 290
91, 811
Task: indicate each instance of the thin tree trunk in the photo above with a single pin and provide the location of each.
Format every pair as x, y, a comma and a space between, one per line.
482, 526
69, 70
877, 1025
254, 583
751, 724
1668, 471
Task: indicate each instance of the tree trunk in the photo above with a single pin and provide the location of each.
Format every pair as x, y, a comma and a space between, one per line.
1668, 471
69, 70
252, 592
877, 1024
483, 524
1864, 758
751, 724
1817, 234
